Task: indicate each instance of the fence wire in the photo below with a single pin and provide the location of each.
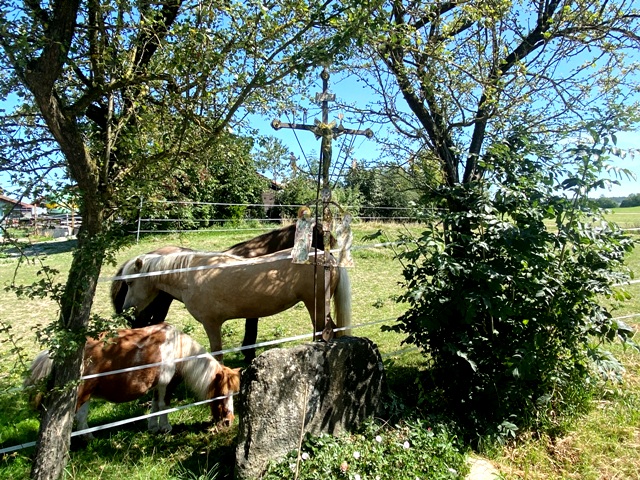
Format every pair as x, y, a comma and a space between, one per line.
202, 402
256, 345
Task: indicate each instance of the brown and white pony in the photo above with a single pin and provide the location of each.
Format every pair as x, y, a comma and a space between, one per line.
270, 242
126, 348
216, 287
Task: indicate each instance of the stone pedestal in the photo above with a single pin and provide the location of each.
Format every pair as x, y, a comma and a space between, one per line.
313, 388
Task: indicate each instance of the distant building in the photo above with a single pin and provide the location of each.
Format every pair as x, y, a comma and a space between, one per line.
269, 196
16, 209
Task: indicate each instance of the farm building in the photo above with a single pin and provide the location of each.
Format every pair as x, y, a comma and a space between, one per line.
14, 209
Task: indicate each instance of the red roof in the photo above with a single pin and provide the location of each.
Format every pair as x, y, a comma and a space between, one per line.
6, 199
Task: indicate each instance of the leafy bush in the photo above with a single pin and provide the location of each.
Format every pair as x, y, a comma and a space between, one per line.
411, 450
504, 290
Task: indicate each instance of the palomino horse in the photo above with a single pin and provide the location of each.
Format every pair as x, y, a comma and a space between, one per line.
270, 242
142, 346
216, 287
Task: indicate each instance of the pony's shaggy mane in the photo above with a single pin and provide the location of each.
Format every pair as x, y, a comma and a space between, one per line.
196, 372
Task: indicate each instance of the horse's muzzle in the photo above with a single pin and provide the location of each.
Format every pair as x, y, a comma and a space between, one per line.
227, 421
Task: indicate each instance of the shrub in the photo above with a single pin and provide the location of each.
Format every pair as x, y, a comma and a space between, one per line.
504, 289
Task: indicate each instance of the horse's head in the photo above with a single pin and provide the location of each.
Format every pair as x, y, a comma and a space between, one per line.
140, 291
225, 383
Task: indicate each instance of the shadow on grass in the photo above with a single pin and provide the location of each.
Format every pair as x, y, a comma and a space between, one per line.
53, 247
191, 451
18, 423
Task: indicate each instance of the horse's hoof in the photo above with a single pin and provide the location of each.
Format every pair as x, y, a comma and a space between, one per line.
164, 429
223, 423
159, 429
80, 442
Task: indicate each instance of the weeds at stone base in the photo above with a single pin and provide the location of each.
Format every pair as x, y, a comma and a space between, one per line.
412, 449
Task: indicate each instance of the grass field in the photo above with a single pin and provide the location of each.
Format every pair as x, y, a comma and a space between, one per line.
603, 445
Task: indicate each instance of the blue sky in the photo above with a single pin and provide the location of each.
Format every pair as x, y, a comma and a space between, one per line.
303, 143
629, 141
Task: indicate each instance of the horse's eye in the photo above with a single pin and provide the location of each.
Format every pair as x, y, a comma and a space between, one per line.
128, 283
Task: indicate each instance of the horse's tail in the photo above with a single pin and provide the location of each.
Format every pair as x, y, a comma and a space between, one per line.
342, 302
39, 371
118, 292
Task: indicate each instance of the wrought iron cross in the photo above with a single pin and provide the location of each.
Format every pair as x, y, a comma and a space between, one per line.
327, 132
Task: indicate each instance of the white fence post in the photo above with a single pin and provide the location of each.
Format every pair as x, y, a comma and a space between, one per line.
139, 219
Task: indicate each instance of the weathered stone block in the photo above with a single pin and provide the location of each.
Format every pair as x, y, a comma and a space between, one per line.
331, 387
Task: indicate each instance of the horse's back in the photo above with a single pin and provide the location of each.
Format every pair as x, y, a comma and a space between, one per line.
127, 348
252, 288
273, 241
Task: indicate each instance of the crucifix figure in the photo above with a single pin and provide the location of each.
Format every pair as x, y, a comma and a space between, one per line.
327, 132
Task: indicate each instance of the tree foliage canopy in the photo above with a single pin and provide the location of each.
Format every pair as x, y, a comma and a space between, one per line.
151, 85
455, 77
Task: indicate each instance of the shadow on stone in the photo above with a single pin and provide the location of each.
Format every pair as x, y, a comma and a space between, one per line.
313, 388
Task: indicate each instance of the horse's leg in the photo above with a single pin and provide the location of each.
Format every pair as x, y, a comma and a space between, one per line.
152, 422
159, 423
214, 333
316, 311
81, 417
250, 338
166, 374
81, 420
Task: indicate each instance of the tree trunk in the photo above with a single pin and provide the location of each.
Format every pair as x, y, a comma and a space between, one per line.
77, 299
59, 406
56, 420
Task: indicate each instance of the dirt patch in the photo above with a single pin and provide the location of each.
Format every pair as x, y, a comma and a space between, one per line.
563, 450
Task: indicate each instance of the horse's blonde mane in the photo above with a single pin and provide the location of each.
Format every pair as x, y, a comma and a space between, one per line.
197, 373
172, 261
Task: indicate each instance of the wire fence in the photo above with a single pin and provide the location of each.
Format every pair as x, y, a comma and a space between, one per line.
172, 222
270, 343
175, 221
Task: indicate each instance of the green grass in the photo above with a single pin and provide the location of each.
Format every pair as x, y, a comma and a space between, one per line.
625, 217
375, 284
604, 444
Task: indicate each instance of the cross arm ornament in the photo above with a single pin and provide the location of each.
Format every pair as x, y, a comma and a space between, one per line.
320, 129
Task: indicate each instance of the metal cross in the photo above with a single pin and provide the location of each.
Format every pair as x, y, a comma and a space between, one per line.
327, 132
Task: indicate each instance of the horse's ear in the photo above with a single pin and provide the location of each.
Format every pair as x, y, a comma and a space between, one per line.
138, 264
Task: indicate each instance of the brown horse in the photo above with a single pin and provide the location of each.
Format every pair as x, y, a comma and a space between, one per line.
156, 311
216, 287
143, 346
